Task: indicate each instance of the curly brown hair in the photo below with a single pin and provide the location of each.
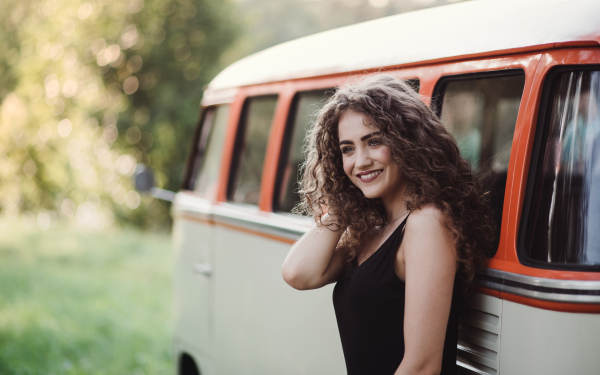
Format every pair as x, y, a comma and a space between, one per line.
427, 155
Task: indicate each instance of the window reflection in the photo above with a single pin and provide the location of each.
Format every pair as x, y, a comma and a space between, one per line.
481, 113
307, 106
566, 210
251, 148
210, 164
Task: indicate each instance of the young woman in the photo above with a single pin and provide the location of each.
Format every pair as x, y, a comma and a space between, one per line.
401, 226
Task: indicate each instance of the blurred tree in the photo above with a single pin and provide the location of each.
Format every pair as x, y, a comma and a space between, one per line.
89, 88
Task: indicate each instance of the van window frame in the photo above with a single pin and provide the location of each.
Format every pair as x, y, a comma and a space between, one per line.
196, 149
286, 143
437, 101
535, 168
240, 134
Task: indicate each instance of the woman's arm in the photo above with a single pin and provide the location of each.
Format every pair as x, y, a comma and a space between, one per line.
313, 261
430, 266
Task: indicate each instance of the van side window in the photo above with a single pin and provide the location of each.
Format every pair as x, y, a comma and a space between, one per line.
561, 222
209, 151
250, 149
481, 112
305, 108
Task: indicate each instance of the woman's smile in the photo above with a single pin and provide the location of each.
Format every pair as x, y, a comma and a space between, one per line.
370, 175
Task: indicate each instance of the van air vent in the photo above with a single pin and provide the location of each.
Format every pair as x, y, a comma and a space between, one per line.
479, 336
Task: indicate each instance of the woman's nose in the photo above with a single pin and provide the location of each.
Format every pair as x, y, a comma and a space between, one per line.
363, 159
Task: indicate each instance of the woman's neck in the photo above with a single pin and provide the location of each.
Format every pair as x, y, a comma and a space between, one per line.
395, 206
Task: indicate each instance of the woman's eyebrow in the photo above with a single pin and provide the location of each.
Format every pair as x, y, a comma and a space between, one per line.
363, 138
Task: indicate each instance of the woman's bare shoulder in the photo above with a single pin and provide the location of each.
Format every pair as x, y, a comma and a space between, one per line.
426, 228
426, 241
426, 215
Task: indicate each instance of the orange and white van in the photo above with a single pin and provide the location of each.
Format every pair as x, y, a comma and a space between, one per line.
517, 83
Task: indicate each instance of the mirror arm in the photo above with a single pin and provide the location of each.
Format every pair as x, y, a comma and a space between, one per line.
165, 195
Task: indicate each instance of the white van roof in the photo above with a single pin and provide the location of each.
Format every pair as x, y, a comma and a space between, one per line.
454, 30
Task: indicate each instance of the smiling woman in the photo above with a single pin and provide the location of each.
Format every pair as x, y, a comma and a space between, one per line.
405, 231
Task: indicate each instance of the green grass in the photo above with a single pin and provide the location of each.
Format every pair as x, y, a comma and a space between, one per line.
74, 303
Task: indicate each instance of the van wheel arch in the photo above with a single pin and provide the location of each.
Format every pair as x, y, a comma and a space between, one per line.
187, 365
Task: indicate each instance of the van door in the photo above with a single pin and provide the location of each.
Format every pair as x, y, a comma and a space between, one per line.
193, 242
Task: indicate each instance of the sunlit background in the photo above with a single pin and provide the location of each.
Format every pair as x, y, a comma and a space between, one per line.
88, 89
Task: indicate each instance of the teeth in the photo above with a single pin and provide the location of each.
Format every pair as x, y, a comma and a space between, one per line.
370, 175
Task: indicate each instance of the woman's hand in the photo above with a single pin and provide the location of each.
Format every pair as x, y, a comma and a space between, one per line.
313, 261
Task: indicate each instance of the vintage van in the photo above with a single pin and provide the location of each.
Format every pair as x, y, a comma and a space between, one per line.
518, 84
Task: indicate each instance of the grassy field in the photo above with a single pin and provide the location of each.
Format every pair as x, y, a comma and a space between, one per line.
74, 303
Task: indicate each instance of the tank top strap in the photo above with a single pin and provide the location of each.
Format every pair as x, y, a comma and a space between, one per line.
396, 237
393, 246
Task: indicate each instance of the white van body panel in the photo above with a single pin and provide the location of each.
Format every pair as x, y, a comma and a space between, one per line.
262, 325
537, 341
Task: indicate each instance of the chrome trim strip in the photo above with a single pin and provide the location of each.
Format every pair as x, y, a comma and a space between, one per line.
546, 283
188, 204
567, 291
271, 223
246, 216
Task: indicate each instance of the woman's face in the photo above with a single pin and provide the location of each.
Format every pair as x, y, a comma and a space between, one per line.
367, 161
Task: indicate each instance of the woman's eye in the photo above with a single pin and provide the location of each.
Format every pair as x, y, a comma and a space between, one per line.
346, 150
374, 142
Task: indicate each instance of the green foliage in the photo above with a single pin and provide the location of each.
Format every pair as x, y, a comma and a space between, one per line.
89, 88
84, 304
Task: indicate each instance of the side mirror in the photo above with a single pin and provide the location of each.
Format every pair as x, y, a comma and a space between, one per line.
143, 179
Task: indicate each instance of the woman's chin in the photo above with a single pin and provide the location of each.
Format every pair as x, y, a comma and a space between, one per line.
371, 193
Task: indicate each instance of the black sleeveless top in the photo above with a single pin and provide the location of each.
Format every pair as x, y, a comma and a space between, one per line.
369, 307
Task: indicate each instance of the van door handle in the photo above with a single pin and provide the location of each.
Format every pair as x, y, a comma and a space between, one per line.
203, 268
